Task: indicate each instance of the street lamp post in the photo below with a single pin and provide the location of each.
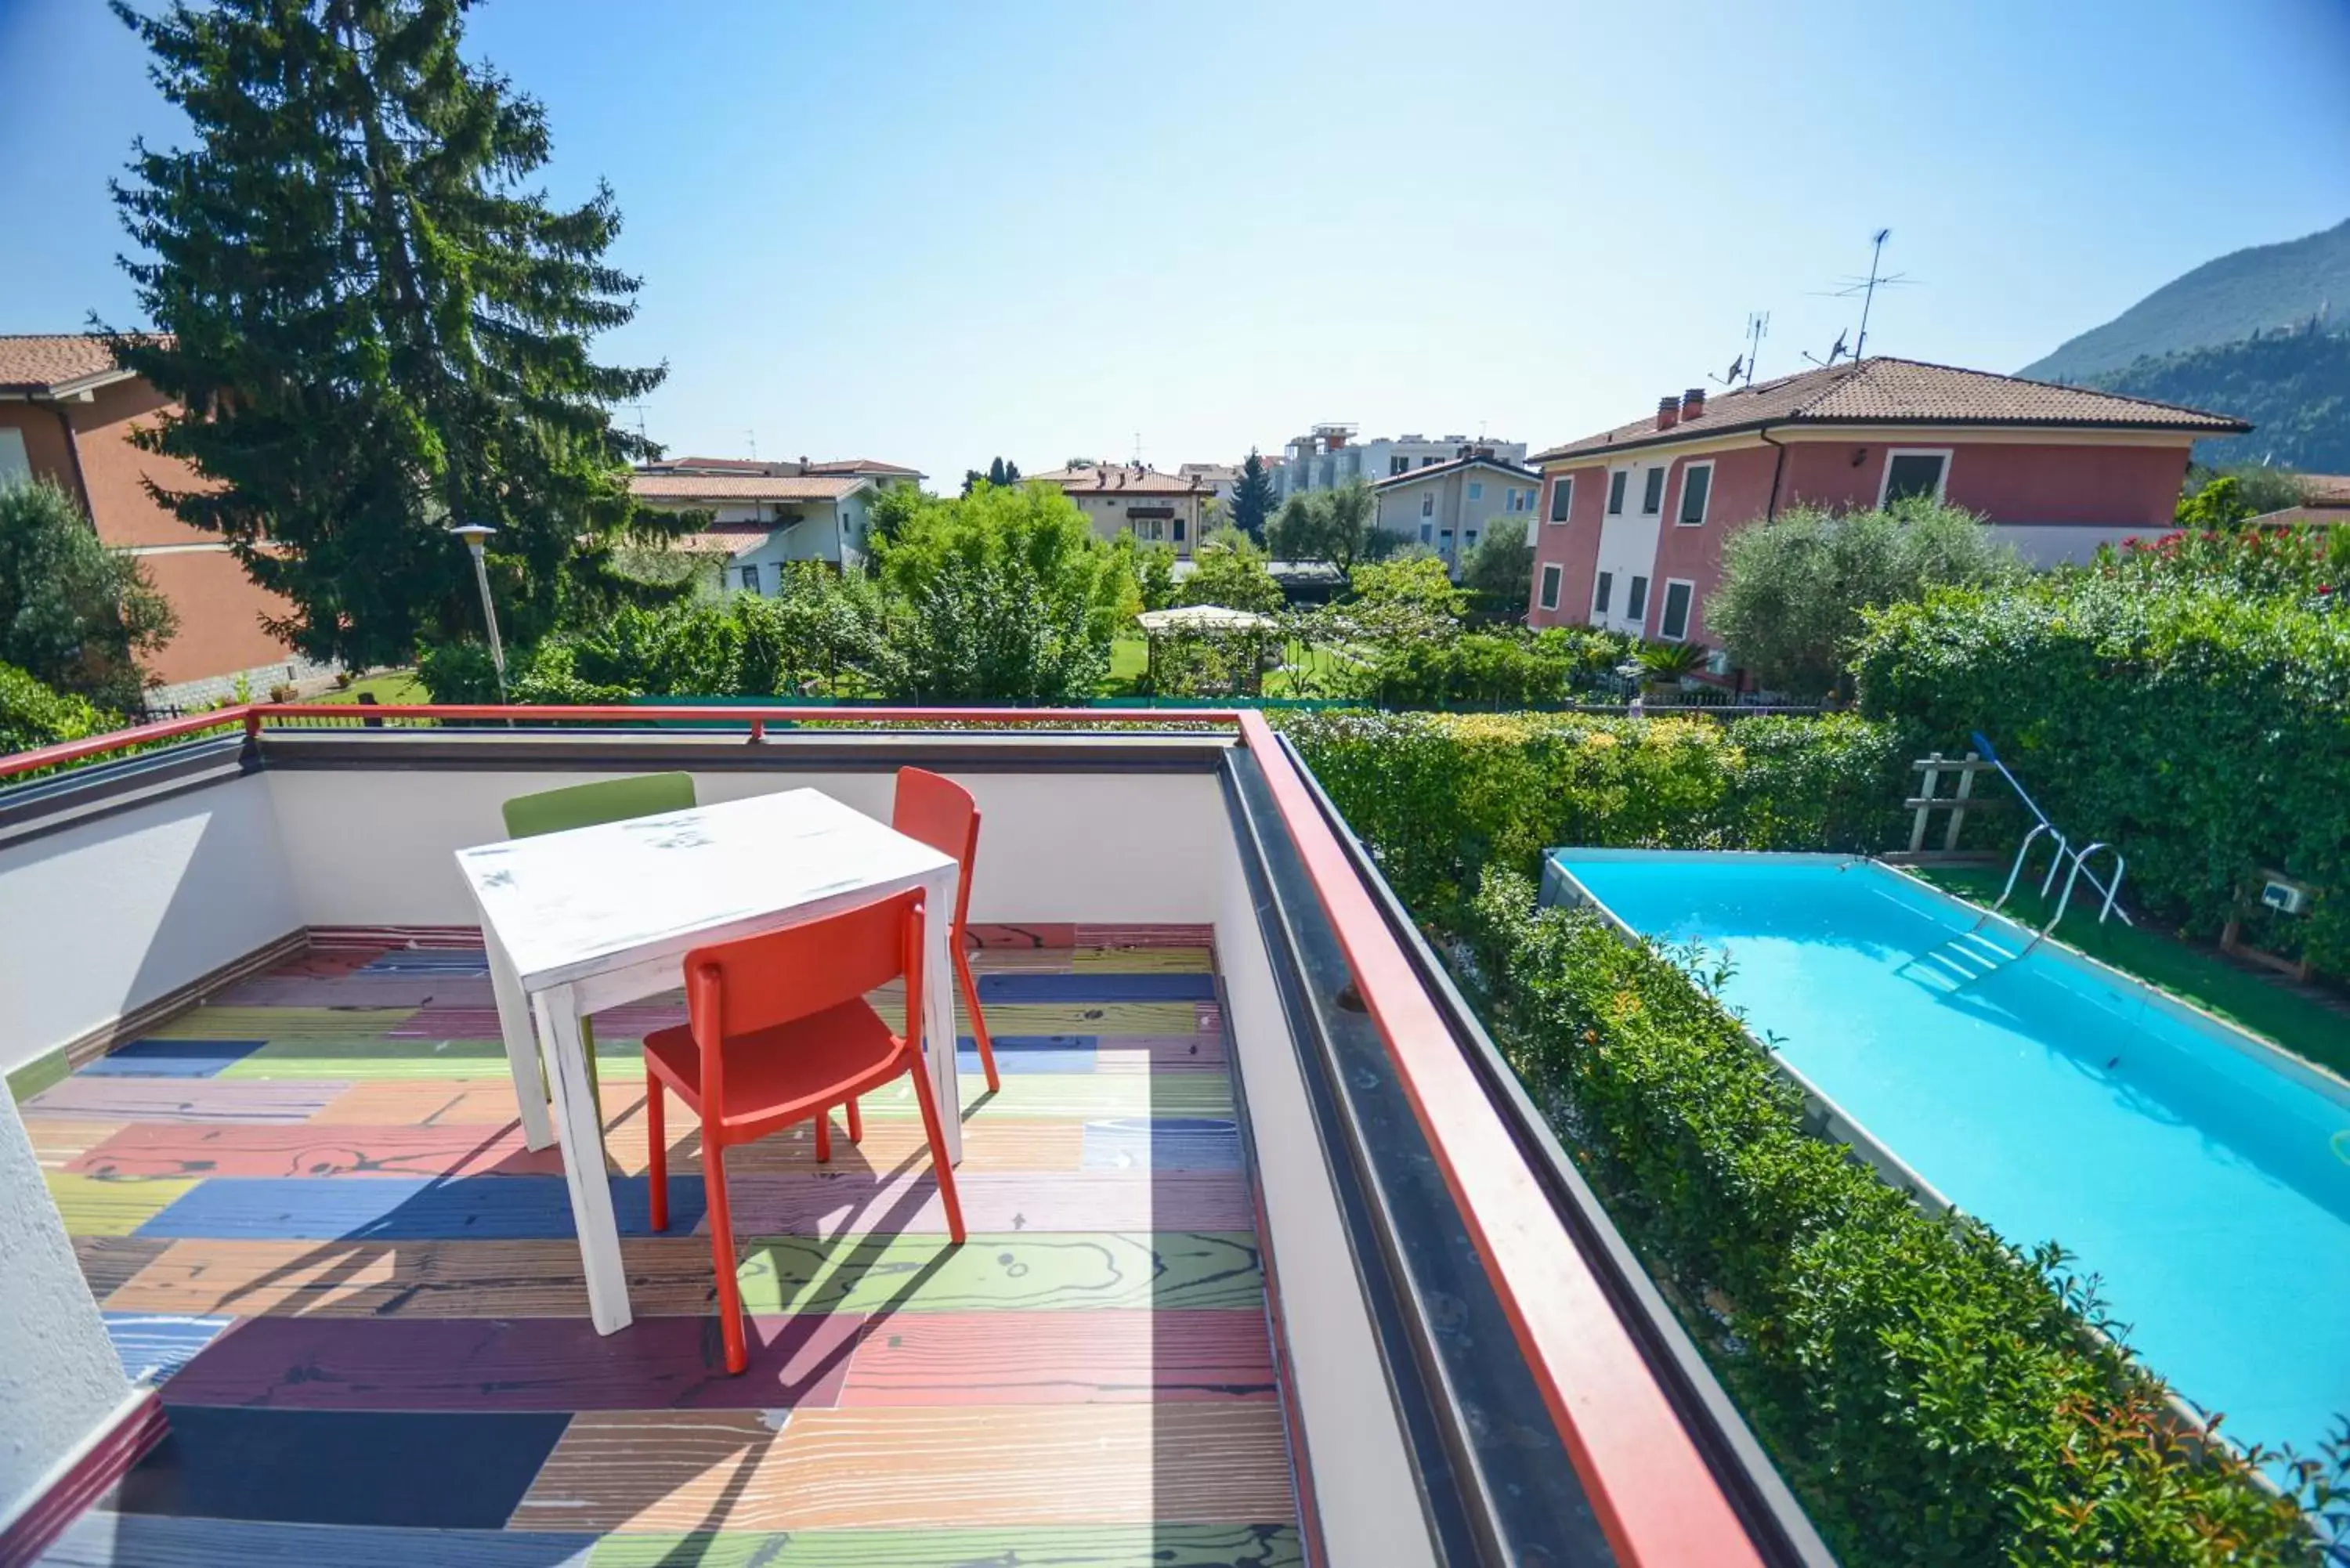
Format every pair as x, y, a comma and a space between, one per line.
475, 535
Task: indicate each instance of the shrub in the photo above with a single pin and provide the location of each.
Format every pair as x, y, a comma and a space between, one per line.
33, 715
2308, 565
2203, 732
1439, 796
1793, 591
74, 615
1231, 571
1926, 1391
1502, 568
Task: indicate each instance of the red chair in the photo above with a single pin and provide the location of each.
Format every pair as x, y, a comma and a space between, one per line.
778, 1030
941, 813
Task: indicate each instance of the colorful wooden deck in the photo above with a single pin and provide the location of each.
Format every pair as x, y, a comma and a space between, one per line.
309, 1216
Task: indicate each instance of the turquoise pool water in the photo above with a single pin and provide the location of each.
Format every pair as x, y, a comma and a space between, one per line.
2208, 1186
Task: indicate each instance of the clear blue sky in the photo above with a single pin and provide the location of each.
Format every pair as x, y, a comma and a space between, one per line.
933, 232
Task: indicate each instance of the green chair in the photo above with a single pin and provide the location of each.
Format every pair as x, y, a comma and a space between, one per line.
586, 806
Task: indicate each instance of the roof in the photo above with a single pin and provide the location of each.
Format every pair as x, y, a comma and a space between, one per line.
1440, 469
1203, 618
1119, 479
53, 364
2327, 489
2322, 515
1888, 391
687, 488
863, 465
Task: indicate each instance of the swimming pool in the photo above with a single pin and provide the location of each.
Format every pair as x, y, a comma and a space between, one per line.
2204, 1175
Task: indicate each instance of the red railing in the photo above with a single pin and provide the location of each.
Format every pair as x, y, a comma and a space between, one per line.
1649, 1485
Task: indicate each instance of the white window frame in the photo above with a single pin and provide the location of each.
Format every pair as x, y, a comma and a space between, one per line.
1476, 490
1428, 504
1550, 574
746, 575
1658, 509
1563, 483
1682, 495
1603, 591
1885, 478
1664, 607
1427, 533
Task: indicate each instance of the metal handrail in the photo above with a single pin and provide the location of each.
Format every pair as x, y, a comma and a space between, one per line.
2074, 876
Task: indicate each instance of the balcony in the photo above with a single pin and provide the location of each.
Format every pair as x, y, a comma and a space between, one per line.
1270, 1260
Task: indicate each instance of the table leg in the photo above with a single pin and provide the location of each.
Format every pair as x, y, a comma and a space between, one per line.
939, 1006
579, 1119
521, 1049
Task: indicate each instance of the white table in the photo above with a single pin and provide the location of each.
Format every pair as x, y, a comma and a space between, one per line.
579, 921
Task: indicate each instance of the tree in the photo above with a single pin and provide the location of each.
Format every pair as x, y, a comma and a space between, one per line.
373, 327
885, 518
1502, 568
972, 480
1004, 595
1231, 571
1340, 526
1252, 498
31, 715
2223, 498
1793, 593
74, 615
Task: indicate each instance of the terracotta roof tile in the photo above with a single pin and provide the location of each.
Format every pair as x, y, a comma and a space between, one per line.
863, 465
1905, 392
687, 488
1117, 479
43, 362
2325, 489
1439, 469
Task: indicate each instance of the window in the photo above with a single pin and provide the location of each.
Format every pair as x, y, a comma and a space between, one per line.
1429, 461
15, 465
1697, 489
1673, 626
1550, 589
1601, 595
1444, 540
1399, 465
1179, 530
1428, 504
1636, 599
1652, 498
1914, 474
1562, 497
1476, 490
1469, 538
751, 580
1427, 533
1616, 492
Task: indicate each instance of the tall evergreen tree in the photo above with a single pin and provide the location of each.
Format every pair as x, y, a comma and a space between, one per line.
373, 327
995, 472
1011, 471
1252, 498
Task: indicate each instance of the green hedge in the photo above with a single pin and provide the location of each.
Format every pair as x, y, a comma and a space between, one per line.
31, 715
1439, 795
2204, 733
1926, 1392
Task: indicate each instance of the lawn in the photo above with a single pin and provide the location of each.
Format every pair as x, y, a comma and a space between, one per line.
392, 687
2305, 1027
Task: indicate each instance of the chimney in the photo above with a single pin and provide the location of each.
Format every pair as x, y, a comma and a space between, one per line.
1669, 412
1693, 403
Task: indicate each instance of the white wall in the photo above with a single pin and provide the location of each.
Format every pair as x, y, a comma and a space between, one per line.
60, 1378
2046, 544
376, 847
104, 917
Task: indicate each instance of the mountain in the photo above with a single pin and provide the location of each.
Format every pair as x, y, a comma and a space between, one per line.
2222, 301
2292, 387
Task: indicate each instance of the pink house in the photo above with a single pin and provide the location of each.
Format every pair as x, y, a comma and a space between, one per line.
1632, 519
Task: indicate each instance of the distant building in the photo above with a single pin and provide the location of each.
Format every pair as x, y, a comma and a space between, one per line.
1220, 478
68, 413
2326, 503
1450, 506
1123, 498
1634, 517
1330, 456
764, 514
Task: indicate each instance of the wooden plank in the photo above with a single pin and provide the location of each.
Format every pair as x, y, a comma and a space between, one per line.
364, 1057
1167, 1270
1143, 936
448, 1102
154, 1058
1040, 1358
186, 1099
278, 1023
1077, 1017
107, 1263
518, 1364
94, 1208
307, 1150
58, 1142
1194, 1463
280, 989
153, 1347
829, 1204
1162, 1143
1094, 987
667, 1276
1160, 1545
101, 1540
1090, 1096
394, 1208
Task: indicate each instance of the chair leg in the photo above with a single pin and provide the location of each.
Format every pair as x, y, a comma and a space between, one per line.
930, 1128
587, 1050
824, 1136
722, 1248
657, 1147
856, 1124
978, 1024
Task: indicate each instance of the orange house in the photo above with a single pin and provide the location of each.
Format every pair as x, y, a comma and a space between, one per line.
66, 414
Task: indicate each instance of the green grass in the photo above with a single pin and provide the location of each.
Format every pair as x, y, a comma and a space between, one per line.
393, 688
2193, 974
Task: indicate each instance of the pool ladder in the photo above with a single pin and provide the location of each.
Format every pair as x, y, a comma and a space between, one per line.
2074, 864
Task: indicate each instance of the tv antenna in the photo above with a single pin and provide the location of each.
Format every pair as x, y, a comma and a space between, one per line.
1137, 448
1757, 326
1866, 288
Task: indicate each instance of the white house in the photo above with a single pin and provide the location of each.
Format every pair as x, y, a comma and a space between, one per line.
1121, 498
1450, 506
767, 514
1330, 456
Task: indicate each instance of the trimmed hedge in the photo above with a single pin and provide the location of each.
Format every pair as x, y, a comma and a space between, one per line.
1926, 1391
31, 715
1438, 796
2204, 733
